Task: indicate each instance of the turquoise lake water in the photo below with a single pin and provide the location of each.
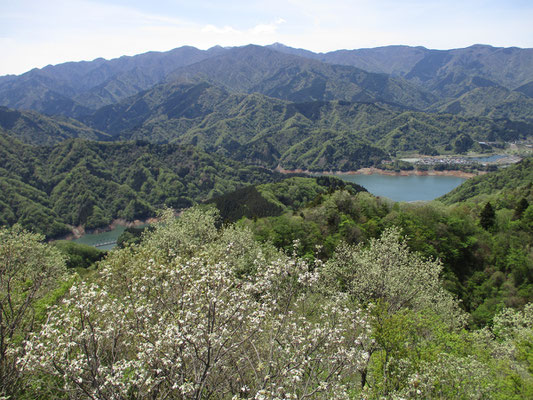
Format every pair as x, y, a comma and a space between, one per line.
406, 188
93, 239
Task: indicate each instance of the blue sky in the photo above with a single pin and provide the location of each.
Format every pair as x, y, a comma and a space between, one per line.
35, 33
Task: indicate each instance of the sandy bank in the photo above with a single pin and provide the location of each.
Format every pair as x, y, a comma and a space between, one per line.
79, 231
372, 170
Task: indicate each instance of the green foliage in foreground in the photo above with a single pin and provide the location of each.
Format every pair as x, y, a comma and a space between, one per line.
196, 312
487, 269
79, 255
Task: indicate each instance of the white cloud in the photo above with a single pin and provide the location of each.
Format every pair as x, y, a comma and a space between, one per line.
223, 30
267, 28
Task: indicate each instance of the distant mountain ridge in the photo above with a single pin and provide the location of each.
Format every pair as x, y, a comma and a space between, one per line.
253, 68
78, 88
409, 76
449, 74
510, 67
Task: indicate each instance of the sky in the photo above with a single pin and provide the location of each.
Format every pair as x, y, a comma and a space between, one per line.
35, 33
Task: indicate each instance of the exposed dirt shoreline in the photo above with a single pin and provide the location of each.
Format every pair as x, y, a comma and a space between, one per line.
79, 231
372, 170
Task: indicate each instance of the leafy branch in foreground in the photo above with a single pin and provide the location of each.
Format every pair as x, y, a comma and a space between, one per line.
29, 271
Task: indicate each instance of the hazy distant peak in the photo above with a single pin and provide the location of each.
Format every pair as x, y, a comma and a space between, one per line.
277, 45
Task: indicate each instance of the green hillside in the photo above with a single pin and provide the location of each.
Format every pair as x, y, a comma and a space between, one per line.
492, 102
90, 183
318, 135
272, 199
507, 186
34, 128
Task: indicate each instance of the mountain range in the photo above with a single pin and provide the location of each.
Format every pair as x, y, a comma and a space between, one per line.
76, 88
314, 135
280, 106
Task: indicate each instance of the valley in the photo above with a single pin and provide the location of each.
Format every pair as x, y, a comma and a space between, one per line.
267, 222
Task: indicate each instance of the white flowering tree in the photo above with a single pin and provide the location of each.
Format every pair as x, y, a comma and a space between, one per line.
196, 313
393, 284
29, 269
388, 271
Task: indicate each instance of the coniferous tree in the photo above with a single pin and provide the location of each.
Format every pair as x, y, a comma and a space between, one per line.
487, 216
520, 208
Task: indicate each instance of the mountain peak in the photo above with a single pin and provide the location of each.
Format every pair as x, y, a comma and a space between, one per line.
277, 45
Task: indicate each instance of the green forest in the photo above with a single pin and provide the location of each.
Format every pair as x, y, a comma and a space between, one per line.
236, 281
78, 182
302, 288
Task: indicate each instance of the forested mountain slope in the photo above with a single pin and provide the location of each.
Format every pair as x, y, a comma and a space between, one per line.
33, 128
87, 183
316, 135
505, 185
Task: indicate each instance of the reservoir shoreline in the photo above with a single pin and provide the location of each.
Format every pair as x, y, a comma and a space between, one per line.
373, 170
79, 231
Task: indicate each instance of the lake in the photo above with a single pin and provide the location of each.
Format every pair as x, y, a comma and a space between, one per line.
405, 188
397, 188
109, 237
488, 159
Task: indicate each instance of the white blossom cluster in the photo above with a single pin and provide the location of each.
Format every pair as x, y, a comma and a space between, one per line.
387, 271
174, 318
